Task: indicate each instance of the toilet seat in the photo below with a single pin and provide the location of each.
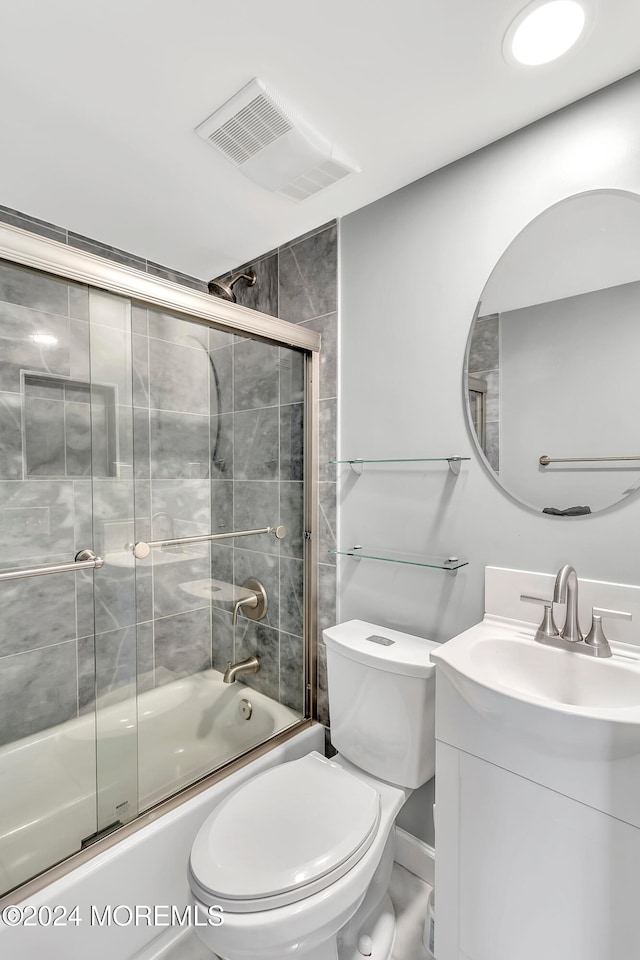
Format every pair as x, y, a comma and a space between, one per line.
284, 835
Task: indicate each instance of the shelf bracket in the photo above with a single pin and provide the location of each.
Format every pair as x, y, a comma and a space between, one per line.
357, 466
454, 465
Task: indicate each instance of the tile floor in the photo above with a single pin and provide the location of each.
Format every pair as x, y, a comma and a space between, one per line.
409, 896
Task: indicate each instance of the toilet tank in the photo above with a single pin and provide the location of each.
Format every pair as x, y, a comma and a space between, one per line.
382, 701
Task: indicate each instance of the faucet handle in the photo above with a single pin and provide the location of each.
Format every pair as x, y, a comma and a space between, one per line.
547, 628
544, 601
596, 638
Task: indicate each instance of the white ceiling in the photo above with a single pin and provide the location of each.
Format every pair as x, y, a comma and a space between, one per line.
101, 99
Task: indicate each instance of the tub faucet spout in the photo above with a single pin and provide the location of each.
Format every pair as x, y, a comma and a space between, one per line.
250, 665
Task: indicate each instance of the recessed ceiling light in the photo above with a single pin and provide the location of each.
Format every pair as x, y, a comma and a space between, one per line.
543, 31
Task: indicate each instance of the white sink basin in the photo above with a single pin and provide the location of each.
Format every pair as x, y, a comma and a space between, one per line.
503, 657
523, 667
557, 702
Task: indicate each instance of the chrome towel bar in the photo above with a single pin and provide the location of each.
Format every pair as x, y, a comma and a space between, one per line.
545, 461
85, 560
141, 549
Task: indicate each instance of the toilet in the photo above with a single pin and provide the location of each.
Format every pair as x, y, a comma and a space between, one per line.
297, 860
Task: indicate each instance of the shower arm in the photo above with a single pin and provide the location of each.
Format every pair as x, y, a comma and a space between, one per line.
142, 549
249, 276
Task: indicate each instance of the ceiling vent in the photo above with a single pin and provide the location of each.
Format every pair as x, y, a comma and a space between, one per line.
271, 145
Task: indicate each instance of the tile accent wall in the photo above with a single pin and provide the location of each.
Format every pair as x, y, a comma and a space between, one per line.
173, 442
298, 282
192, 400
44, 495
218, 442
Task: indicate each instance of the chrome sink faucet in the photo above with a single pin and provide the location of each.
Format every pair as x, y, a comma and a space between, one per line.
566, 591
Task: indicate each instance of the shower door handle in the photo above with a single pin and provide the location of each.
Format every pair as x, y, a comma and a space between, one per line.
85, 560
142, 549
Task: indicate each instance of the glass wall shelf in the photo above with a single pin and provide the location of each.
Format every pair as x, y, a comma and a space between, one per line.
356, 463
402, 460
410, 559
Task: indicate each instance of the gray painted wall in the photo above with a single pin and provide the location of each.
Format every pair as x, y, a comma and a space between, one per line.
402, 351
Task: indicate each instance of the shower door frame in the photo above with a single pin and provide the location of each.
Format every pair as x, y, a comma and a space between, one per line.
50, 256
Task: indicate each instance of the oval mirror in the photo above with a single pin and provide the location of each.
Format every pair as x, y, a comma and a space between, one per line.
551, 368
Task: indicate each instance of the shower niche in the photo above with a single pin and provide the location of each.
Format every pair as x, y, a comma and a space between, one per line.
151, 415
58, 415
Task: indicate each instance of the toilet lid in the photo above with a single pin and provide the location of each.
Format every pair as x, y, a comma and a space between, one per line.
285, 834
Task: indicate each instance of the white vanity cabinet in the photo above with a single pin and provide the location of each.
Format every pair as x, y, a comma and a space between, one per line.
537, 842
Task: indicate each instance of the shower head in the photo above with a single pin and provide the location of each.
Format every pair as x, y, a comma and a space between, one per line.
223, 288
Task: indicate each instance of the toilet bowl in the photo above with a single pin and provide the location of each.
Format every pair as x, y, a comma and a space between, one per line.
297, 860
300, 885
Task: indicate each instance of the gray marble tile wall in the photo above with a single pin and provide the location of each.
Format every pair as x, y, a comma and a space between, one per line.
218, 444
51, 441
297, 282
79, 633
202, 461
171, 394
484, 363
256, 462
44, 330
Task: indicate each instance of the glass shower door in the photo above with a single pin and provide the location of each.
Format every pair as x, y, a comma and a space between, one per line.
68, 662
110, 688
121, 425
47, 726
218, 450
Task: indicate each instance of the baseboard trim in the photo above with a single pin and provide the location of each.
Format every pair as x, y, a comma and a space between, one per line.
161, 945
415, 856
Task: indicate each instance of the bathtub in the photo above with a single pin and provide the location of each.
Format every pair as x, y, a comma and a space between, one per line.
147, 749
147, 868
